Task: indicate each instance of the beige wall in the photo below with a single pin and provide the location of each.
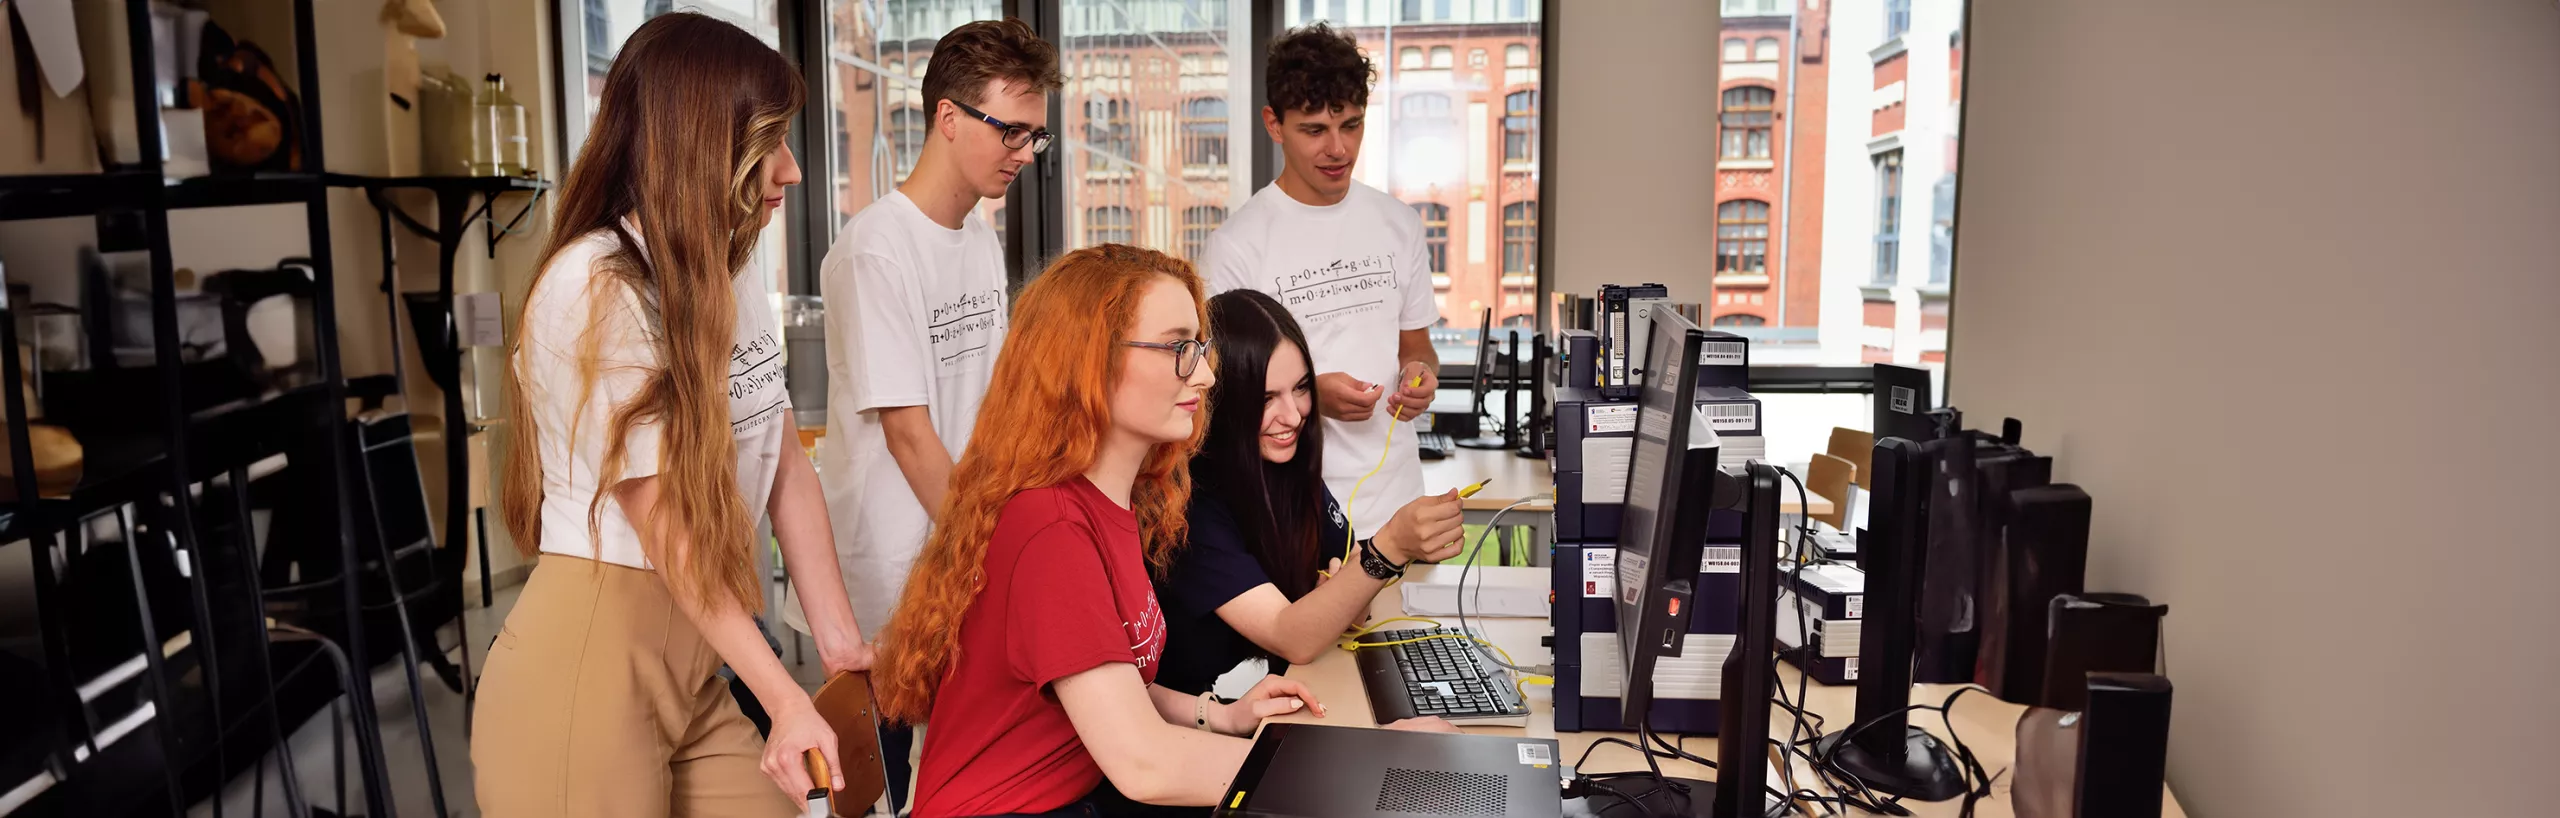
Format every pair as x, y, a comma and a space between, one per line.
1635, 164
2274, 281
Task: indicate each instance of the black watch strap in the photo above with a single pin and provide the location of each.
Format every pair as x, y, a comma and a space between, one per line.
1375, 564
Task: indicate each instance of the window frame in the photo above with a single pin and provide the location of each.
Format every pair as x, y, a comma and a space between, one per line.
1435, 239
1734, 225
1888, 234
1765, 127
1520, 126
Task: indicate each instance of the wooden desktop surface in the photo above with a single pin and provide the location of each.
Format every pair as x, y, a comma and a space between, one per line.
1988, 726
1515, 477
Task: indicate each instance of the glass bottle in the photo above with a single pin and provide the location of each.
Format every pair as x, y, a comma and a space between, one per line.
498, 144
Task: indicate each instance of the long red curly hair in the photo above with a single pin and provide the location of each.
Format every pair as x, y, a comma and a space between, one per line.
1049, 405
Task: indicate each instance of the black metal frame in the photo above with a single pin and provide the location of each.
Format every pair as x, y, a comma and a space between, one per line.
165, 479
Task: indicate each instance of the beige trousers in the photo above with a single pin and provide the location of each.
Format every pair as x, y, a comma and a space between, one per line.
600, 700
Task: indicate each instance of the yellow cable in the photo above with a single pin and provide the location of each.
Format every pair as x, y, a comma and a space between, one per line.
1520, 684
1351, 531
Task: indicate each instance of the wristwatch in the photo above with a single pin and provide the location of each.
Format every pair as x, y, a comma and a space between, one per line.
1376, 564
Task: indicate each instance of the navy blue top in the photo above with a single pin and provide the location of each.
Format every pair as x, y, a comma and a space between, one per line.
1213, 569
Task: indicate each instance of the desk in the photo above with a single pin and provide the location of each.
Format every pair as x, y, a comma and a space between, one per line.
1516, 478
1988, 726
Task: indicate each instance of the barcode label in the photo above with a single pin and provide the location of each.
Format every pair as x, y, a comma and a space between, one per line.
1858, 607
1721, 559
1537, 755
1606, 419
1904, 398
1733, 416
1852, 663
1721, 353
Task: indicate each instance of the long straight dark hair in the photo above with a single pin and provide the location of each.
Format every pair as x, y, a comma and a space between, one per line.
1279, 506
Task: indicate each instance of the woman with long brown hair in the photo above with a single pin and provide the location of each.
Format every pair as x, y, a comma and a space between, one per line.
650, 426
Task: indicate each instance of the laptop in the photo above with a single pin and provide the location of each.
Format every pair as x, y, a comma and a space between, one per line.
1319, 771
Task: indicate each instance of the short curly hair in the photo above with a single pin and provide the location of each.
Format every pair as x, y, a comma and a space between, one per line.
1316, 69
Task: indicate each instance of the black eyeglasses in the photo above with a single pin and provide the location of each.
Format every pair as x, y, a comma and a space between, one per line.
1015, 136
1187, 353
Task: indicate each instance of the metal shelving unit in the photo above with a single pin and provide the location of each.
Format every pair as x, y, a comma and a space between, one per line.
108, 762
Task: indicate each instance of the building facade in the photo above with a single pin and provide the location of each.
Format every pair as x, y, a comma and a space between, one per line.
1892, 216
1772, 92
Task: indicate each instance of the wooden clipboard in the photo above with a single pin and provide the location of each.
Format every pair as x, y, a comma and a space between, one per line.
845, 702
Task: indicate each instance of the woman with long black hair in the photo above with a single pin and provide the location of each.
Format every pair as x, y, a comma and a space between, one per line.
1262, 522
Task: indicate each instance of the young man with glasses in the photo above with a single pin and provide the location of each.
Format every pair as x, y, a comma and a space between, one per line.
915, 290
1349, 262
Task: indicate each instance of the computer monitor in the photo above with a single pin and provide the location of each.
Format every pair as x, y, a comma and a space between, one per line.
1743, 740
1886, 752
1488, 430
1670, 487
1902, 404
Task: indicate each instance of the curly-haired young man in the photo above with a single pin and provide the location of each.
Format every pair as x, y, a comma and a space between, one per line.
1348, 260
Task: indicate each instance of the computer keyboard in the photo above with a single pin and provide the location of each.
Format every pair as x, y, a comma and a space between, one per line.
1436, 446
1436, 672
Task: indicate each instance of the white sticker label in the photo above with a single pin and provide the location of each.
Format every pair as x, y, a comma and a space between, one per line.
1732, 416
1616, 418
1721, 353
1721, 559
1858, 606
1631, 577
1852, 663
1537, 755
1599, 573
1903, 399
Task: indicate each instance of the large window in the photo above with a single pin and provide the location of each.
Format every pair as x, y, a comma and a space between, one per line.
1748, 113
877, 51
1435, 238
1897, 18
1742, 238
604, 26
1151, 104
1454, 121
1888, 217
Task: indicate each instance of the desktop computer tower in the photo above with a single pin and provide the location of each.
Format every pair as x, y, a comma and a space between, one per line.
1949, 632
2096, 633
1586, 622
2039, 553
2124, 745
2106, 760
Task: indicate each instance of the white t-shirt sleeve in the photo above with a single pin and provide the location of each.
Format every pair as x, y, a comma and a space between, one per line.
881, 332
626, 355
1420, 310
1223, 264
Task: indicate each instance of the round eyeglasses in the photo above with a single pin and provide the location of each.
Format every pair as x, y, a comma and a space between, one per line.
1015, 136
1187, 353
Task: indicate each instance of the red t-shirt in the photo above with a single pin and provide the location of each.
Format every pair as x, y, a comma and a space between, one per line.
1067, 591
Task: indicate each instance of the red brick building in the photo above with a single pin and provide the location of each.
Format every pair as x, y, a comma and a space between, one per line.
1773, 93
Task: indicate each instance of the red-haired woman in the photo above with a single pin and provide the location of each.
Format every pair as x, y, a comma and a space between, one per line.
651, 425
1029, 632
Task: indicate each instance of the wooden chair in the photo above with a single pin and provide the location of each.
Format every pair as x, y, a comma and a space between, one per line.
1829, 477
1859, 448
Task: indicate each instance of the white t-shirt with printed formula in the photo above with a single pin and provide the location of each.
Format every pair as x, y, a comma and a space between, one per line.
575, 305
915, 315
1354, 274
